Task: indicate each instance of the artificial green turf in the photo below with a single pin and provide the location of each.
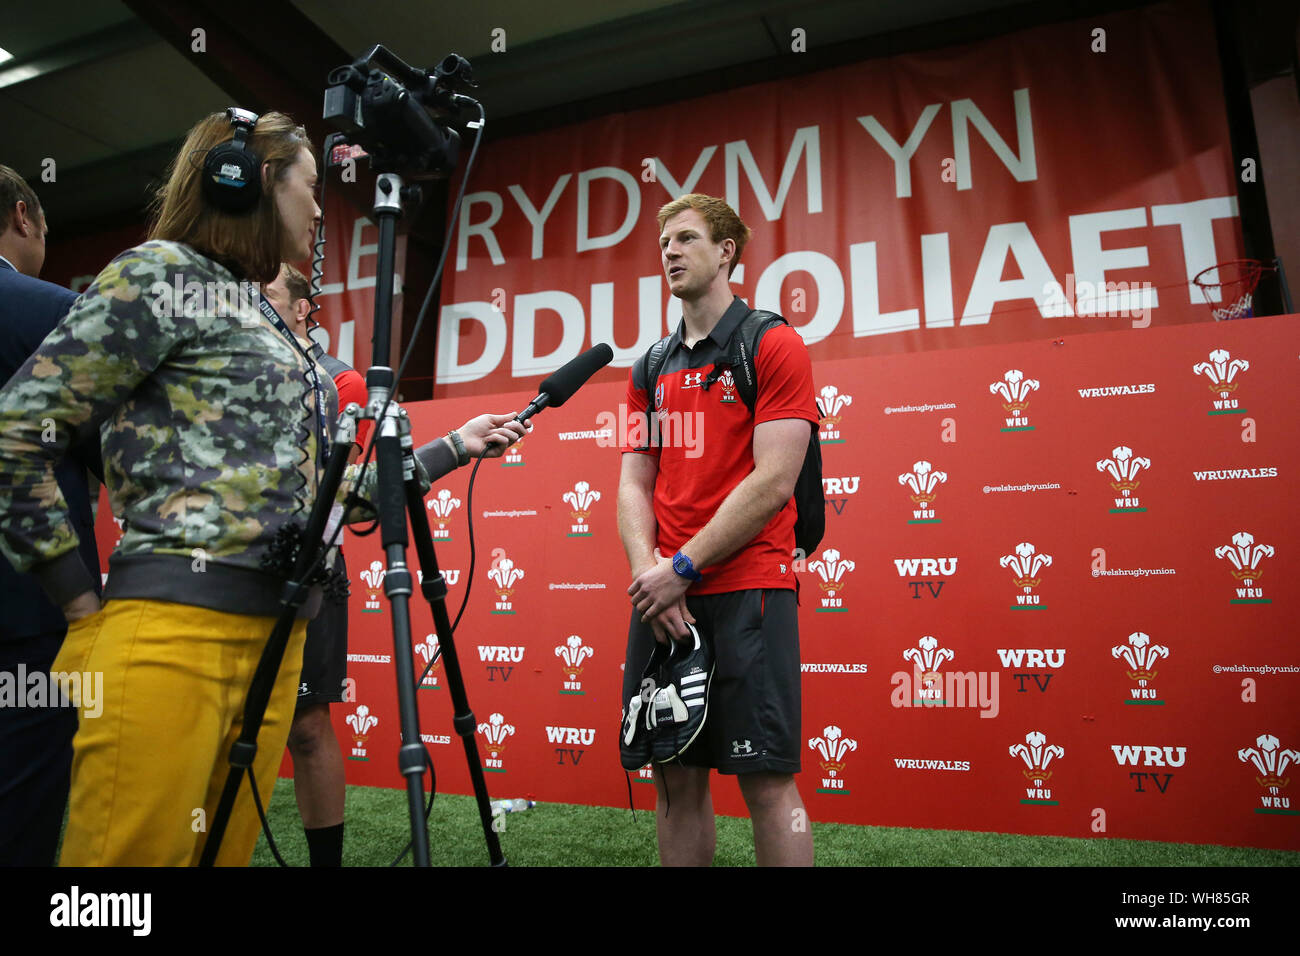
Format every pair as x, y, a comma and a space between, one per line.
559, 834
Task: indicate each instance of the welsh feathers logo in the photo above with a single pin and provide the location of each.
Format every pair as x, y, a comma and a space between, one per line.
442, 507
1245, 555
1025, 566
514, 456
928, 657
1222, 371
833, 404
1123, 467
581, 498
1272, 761
831, 569
923, 480
496, 732
362, 723
428, 651
1037, 755
1141, 657
728, 383
573, 652
373, 578
834, 748
505, 576
1014, 389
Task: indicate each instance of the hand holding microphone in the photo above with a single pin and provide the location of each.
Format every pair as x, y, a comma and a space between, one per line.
489, 436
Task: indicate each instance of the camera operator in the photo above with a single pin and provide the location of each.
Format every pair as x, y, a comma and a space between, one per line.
211, 420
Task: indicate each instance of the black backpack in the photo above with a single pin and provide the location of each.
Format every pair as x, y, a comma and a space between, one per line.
742, 347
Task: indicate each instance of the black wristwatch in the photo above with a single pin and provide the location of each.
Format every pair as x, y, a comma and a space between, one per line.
682, 565
462, 453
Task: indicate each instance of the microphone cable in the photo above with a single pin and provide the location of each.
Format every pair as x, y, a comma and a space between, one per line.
318, 247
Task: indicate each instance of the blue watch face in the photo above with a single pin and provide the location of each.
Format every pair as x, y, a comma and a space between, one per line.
682, 565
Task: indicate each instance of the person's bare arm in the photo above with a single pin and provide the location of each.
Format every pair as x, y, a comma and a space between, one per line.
638, 529
779, 449
636, 514
83, 605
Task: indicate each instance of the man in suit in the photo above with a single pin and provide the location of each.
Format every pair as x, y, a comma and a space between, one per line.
35, 741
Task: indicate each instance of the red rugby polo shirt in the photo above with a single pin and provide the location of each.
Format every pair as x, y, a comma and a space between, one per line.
707, 445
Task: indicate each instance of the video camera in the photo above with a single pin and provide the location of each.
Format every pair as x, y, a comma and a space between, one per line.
399, 113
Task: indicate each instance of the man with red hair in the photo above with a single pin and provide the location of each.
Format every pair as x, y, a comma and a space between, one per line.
709, 540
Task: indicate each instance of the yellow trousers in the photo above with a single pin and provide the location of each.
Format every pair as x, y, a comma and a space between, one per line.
148, 771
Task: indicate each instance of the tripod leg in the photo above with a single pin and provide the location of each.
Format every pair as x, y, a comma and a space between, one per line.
397, 586
435, 592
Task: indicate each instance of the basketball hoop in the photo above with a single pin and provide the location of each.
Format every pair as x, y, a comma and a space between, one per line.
1232, 284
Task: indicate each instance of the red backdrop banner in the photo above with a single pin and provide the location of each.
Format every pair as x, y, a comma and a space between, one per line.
1052, 596
1064, 179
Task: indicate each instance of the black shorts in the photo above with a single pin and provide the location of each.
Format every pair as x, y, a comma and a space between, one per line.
325, 655
753, 723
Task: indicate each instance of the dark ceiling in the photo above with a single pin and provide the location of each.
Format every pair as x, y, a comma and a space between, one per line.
106, 89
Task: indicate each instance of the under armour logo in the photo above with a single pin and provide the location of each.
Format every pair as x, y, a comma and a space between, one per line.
741, 747
693, 379
302, 688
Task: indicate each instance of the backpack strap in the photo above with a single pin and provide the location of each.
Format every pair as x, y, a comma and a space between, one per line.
650, 364
741, 357
742, 354
333, 366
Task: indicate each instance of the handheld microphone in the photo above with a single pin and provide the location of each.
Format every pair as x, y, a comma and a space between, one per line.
560, 385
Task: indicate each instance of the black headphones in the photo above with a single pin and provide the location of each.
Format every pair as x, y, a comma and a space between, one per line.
232, 173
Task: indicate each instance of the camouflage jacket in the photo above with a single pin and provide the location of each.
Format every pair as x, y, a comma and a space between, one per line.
208, 428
